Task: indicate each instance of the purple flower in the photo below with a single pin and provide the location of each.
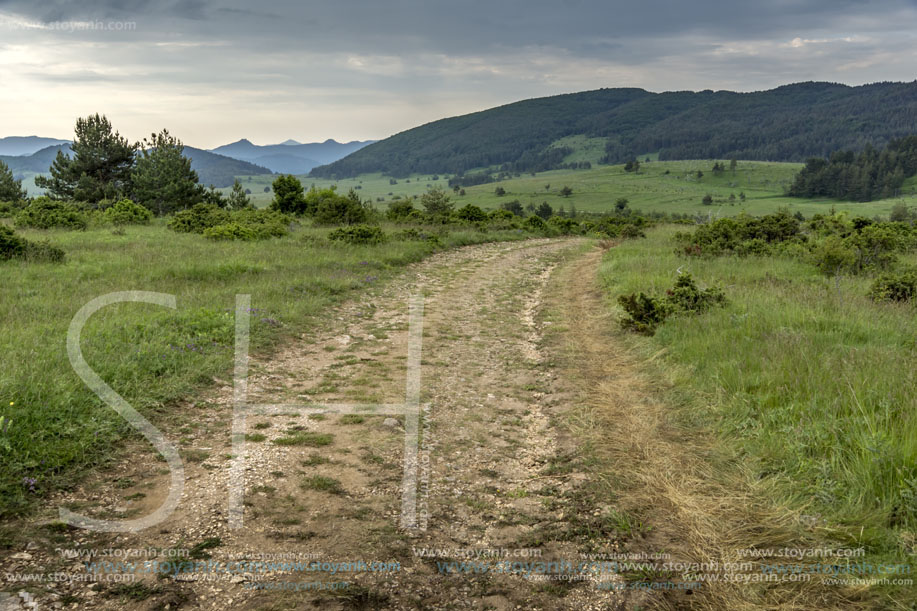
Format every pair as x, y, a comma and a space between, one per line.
30, 483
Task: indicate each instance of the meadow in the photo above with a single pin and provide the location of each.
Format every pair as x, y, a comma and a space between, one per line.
152, 355
809, 384
659, 186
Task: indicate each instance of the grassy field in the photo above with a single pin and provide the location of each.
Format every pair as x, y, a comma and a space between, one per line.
812, 385
663, 186
150, 354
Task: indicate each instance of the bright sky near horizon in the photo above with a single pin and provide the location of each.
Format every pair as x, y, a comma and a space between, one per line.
215, 71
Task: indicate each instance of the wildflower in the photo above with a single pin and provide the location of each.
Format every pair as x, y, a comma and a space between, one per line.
30, 483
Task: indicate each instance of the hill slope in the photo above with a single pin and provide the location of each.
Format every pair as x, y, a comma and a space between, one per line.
211, 168
789, 123
290, 157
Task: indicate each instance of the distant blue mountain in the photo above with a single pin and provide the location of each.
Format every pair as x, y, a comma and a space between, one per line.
290, 157
26, 145
211, 168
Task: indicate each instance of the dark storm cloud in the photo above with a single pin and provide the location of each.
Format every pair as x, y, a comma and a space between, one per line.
589, 28
363, 69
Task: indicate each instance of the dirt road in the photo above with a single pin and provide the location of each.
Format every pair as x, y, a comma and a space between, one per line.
506, 517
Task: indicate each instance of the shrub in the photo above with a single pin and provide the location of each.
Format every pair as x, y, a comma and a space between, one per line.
358, 234
199, 218
535, 223
897, 286
231, 231
126, 212
10, 208
13, 246
501, 215
645, 313
727, 235
631, 232
564, 225
436, 202
265, 223
288, 195
414, 234
686, 297
45, 213
401, 209
472, 213
832, 256
338, 210
515, 207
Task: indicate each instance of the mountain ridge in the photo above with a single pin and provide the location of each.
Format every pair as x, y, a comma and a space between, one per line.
212, 168
787, 123
290, 157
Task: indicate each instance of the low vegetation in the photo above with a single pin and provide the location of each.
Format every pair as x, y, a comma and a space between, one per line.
807, 378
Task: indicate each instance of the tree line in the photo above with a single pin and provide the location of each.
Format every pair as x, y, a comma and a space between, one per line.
871, 174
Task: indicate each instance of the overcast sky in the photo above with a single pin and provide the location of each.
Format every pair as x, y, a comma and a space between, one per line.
214, 71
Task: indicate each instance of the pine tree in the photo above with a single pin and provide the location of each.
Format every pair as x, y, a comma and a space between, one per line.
10, 189
163, 180
238, 198
100, 167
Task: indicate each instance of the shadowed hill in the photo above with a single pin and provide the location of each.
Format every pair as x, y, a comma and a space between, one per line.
789, 123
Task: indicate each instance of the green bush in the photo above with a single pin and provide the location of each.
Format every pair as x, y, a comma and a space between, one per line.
729, 235
266, 223
288, 195
401, 209
414, 234
10, 208
338, 210
231, 231
358, 234
564, 225
501, 215
645, 313
13, 246
631, 232
832, 256
45, 213
472, 213
199, 218
686, 297
895, 286
535, 223
126, 212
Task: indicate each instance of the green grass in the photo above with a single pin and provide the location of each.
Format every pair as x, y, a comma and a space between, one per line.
815, 387
371, 186
322, 483
596, 190
584, 149
152, 355
652, 190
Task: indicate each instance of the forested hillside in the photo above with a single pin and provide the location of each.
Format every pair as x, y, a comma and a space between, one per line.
790, 123
872, 174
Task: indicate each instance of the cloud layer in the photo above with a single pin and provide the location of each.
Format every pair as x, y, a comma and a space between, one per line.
215, 71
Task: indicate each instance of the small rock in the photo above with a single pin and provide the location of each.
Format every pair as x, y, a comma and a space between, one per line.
392, 422
21, 556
